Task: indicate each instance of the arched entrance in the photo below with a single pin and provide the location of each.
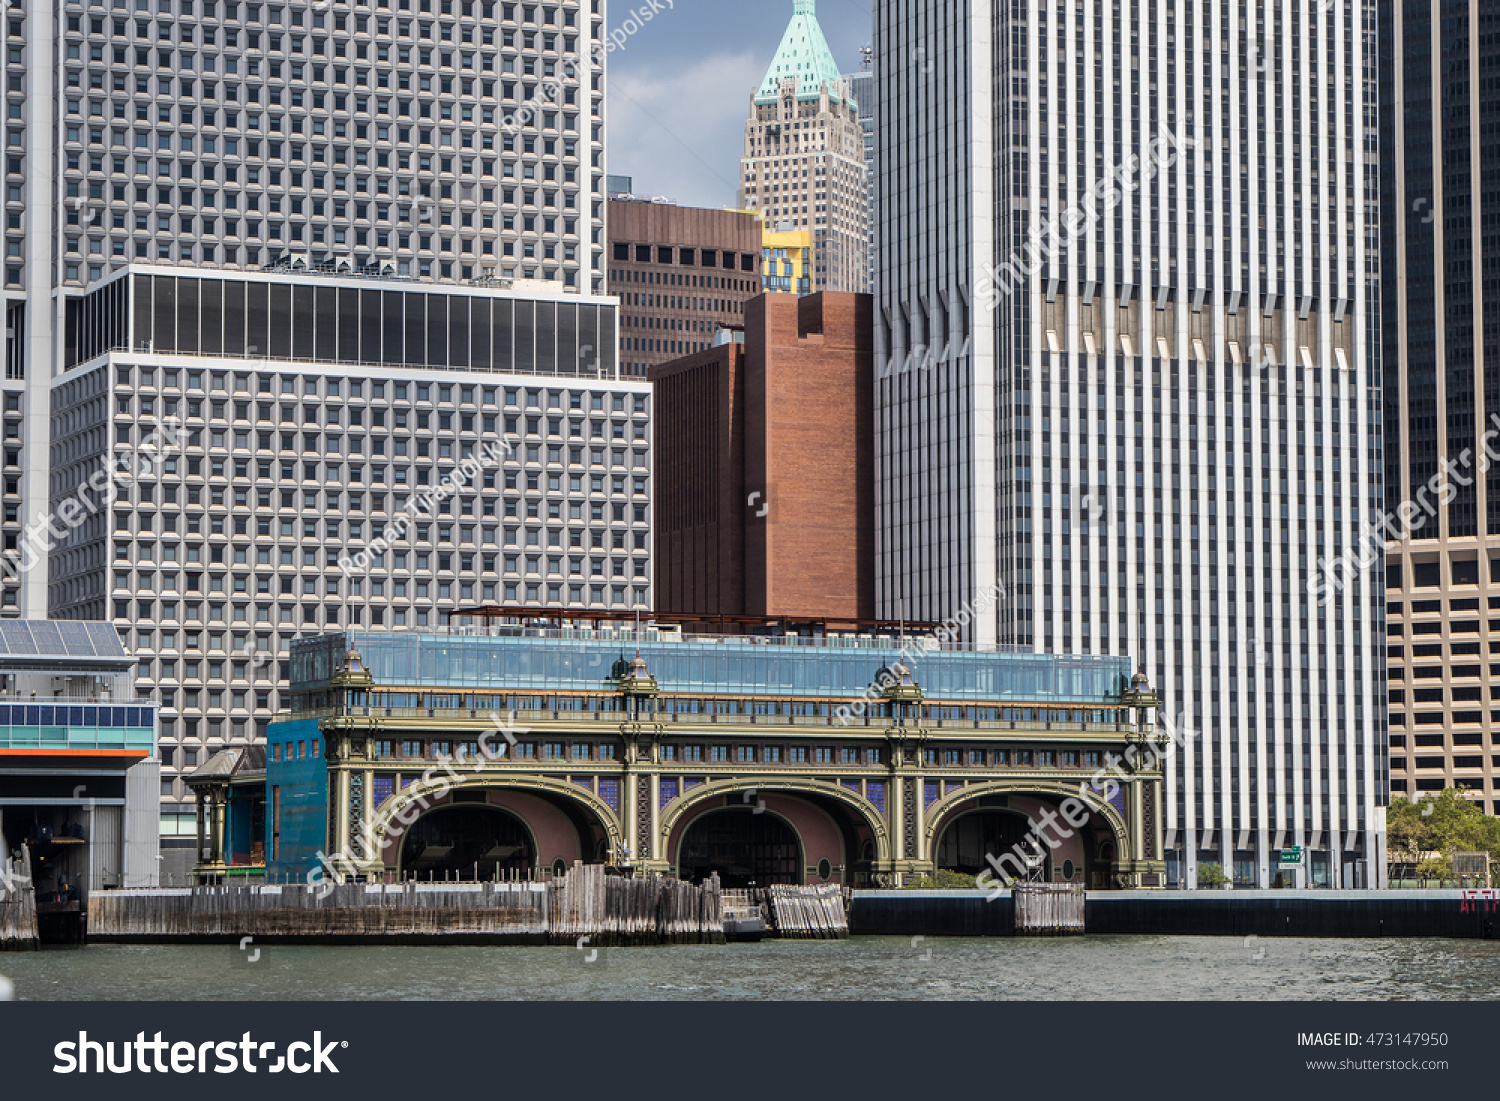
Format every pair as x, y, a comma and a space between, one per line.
966, 841
460, 838
746, 849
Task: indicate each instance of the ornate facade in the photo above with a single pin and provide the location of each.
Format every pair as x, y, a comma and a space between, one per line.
495, 756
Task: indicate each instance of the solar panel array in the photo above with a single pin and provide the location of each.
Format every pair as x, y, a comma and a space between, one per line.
59, 638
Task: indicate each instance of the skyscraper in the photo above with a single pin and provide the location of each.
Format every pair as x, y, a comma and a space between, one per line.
680, 274
862, 87
436, 139
329, 212
804, 162
1440, 200
1126, 334
389, 451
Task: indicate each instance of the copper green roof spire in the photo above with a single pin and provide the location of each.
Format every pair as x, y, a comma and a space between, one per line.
804, 56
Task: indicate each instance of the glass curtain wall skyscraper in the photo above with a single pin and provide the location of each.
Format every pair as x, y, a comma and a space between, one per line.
1129, 381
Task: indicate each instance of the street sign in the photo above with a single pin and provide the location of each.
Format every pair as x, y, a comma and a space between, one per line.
1291, 857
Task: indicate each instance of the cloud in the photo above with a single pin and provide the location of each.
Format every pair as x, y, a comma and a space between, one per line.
680, 130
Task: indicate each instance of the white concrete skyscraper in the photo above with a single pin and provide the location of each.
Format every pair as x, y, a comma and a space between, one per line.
225, 134
1128, 275
365, 242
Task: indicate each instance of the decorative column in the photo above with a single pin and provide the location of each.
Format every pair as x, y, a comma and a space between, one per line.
637, 688
1146, 866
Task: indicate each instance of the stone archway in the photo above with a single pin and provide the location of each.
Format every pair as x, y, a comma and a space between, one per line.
743, 847
1076, 856
484, 840
842, 835
565, 822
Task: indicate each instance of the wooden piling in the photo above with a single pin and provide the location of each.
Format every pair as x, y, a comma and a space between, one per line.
585, 902
810, 912
18, 925
1048, 909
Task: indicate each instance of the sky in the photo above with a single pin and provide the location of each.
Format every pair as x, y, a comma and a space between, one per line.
678, 94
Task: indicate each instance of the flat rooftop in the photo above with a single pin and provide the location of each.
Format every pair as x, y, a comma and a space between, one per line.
586, 659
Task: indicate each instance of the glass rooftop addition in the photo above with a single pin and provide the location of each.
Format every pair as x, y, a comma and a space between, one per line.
735, 665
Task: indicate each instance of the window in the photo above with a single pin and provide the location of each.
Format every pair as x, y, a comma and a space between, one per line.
719, 753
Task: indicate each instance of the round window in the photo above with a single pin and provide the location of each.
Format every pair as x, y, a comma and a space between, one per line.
1067, 869
825, 869
559, 868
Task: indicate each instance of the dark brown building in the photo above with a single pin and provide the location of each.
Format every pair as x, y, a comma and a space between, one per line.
680, 273
765, 465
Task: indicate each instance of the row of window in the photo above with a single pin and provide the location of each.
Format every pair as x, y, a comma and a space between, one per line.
439, 748
351, 615
139, 379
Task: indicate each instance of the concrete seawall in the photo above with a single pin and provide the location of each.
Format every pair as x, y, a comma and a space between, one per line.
1450, 913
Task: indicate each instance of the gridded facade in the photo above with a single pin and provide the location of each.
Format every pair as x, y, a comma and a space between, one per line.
1145, 410
225, 133
804, 161
228, 548
445, 140
681, 274
1440, 205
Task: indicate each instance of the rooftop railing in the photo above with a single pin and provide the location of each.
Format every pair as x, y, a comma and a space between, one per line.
912, 642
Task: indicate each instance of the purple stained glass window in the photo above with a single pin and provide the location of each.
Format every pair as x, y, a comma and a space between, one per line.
666, 792
383, 788
929, 793
691, 783
583, 781
875, 793
852, 785
609, 791
950, 786
1116, 799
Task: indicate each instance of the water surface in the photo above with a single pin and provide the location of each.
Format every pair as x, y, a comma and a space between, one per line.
1149, 968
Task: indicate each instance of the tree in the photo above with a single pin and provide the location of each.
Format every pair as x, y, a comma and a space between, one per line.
1429, 831
1211, 875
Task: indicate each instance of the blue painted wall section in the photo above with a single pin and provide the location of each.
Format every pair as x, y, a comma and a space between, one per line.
296, 798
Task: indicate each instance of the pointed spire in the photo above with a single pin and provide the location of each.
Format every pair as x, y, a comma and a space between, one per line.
803, 56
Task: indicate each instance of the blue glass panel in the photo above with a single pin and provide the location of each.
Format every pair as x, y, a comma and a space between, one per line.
90, 716
840, 670
33, 715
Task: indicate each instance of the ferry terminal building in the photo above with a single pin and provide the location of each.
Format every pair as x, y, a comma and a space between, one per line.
768, 751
